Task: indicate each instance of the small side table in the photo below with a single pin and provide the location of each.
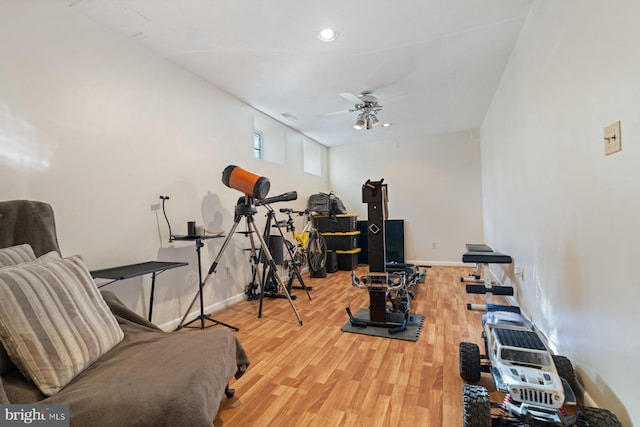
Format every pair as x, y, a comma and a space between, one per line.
134, 270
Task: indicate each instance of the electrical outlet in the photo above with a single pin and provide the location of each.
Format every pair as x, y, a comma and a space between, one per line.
612, 139
227, 272
519, 273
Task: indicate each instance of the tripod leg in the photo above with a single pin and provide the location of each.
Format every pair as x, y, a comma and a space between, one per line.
255, 259
217, 322
274, 267
296, 272
299, 276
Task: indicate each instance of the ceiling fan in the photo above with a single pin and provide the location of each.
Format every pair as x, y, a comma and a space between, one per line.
366, 105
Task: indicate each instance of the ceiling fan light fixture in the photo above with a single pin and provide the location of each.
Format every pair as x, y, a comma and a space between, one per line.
367, 107
328, 35
361, 122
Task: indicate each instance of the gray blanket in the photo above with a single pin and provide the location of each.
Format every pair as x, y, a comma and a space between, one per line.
151, 378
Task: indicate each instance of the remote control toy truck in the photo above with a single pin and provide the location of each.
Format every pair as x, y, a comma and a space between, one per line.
537, 385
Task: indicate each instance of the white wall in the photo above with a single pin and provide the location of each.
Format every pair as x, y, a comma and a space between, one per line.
100, 128
564, 211
434, 184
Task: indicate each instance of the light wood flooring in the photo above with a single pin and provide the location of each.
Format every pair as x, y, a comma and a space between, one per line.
317, 375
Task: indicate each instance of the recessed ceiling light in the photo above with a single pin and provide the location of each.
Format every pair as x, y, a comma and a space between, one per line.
386, 125
328, 35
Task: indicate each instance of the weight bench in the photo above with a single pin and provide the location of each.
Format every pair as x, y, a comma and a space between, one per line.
482, 255
477, 274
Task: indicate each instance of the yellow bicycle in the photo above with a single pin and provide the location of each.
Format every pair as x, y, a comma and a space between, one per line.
311, 247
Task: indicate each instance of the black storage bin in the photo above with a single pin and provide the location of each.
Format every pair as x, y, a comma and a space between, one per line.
341, 241
332, 262
340, 223
348, 260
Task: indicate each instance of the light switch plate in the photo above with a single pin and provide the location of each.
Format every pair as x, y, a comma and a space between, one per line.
612, 138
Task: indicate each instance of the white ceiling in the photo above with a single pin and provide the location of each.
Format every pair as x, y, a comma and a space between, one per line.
433, 64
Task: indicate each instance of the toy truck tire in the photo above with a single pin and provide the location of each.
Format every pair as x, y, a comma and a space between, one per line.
566, 371
597, 417
470, 369
476, 410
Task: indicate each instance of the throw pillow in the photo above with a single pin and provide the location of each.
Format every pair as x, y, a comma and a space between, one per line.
4, 400
15, 255
43, 259
5, 361
53, 321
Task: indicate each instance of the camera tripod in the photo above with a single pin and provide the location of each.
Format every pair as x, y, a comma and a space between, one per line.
245, 208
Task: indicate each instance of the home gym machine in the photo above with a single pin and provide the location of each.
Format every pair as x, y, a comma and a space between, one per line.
382, 286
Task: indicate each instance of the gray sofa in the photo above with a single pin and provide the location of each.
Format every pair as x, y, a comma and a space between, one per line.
150, 378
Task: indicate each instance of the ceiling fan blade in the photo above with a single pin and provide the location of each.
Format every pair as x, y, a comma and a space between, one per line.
334, 113
351, 97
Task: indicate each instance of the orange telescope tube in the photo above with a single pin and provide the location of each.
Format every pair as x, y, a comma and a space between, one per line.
246, 182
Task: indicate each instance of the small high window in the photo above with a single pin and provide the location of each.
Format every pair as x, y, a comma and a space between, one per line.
312, 157
257, 144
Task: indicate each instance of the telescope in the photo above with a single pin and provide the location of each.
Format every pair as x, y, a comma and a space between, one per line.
246, 182
291, 195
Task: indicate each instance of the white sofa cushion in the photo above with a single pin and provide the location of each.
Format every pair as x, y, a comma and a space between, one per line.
53, 321
15, 255
5, 361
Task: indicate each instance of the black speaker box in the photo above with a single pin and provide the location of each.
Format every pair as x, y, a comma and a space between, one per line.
276, 247
332, 262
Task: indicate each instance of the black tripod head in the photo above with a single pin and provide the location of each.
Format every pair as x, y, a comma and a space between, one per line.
245, 207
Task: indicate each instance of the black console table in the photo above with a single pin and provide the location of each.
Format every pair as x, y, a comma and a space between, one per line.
134, 270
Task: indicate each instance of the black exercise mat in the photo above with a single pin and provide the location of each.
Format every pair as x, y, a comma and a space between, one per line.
411, 333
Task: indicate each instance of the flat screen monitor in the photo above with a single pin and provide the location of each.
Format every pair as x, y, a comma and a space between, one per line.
394, 241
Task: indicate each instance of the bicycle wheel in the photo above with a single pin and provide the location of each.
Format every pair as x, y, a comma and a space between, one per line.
294, 258
316, 251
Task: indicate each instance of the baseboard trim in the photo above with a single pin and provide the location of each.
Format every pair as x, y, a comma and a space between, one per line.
440, 263
588, 401
173, 324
